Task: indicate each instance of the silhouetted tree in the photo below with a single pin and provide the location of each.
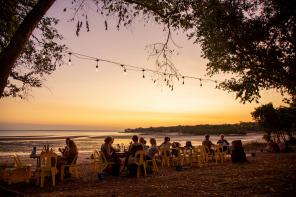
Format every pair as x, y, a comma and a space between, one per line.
253, 40
278, 121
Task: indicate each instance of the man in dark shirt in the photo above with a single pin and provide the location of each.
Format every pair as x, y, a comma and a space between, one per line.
224, 143
207, 143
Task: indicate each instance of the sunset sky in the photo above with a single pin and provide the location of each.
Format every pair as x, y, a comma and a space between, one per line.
78, 97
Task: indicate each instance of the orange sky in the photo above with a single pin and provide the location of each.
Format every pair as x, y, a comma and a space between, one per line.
77, 97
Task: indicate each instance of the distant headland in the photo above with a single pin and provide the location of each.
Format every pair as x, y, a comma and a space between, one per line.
241, 128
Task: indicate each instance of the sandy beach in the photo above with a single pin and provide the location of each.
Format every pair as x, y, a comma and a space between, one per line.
266, 174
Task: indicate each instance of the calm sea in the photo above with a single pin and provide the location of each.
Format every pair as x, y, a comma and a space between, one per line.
21, 142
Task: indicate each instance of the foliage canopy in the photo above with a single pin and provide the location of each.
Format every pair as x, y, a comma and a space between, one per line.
41, 54
255, 41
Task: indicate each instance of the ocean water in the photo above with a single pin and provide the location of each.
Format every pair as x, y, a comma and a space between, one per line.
22, 142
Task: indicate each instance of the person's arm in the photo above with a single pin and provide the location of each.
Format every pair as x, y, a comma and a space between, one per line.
226, 142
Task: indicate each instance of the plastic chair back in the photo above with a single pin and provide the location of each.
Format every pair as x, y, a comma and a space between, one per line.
165, 157
48, 160
139, 156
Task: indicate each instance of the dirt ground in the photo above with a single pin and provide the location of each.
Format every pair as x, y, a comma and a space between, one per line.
266, 174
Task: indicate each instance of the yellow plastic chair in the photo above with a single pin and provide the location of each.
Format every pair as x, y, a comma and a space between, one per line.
96, 162
196, 157
73, 169
104, 162
139, 160
165, 157
206, 154
154, 164
188, 157
48, 166
17, 161
18, 173
179, 159
219, 154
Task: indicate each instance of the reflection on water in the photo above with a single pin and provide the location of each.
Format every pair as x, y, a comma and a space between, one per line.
21, 142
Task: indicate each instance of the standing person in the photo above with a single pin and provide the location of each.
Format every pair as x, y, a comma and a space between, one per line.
208, 144
224, 143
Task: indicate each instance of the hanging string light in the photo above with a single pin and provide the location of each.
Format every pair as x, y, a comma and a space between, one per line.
97, 66
70, 61
124, 69
168, 77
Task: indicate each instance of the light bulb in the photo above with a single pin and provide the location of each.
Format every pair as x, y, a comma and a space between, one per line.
97, 66
70, 61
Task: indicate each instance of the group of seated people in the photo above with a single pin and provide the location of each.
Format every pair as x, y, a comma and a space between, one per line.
110, 152
70, 151
140, 144
224, 143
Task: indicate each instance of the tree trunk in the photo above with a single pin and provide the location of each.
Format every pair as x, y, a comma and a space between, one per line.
9, 55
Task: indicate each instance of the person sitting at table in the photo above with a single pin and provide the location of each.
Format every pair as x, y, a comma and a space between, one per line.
188, 145
152, 150
175, 146
111, 156
208, 144
135, 146
166, 144
130, 159
68, 156
224, 143
62, 150
143, 142
70, 153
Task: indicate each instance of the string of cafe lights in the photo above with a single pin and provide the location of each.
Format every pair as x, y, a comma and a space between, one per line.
168, 77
